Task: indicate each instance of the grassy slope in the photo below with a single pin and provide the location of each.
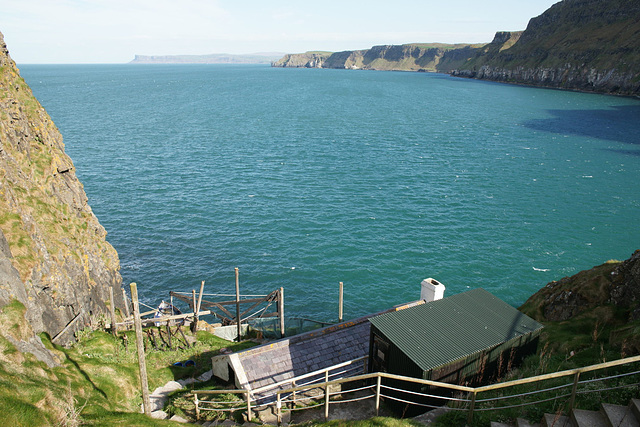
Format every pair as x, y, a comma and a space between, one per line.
96, 382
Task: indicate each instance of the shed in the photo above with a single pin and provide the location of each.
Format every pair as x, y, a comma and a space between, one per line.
467, 338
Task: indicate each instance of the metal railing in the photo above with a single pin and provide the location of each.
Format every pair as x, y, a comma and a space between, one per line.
458, 398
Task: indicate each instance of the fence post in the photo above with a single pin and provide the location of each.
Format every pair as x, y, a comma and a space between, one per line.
279, 409
126, 304
293, 384
281, 311
471, 408
112, 311
572, 400
146, 403
340, 302
378, 382
197, 308
238, 320
249, 416
197, 402
326, 395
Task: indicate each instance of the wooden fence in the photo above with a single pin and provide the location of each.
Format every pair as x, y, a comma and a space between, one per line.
374, 380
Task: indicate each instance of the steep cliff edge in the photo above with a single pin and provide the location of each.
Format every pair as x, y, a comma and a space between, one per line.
54, 258
589, 45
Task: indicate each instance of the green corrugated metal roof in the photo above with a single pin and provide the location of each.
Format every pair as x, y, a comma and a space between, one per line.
442, 331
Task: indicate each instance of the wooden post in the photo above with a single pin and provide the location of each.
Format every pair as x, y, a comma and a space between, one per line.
199, 303
238, 320
379, 381
196, 402
326, 395
194, 323
249, 417
293, 384
126, 304
472, 406
281, 311
279, 409
572, 400
112, 310
340, 302
140, 346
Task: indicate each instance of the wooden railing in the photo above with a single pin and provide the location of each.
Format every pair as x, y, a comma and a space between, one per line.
374, 380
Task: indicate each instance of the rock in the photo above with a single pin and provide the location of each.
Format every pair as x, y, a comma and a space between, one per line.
159, 415
178, 419
54, 258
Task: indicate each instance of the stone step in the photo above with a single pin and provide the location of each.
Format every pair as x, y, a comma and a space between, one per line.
584, 418
521, 422
619, 416
635, 407
498, 424
553, 420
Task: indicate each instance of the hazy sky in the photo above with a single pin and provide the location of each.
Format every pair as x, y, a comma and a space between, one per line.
108, 31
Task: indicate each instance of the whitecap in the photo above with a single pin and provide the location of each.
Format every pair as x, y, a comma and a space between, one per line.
540, 269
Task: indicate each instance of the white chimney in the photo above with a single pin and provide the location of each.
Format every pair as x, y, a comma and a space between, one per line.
431, 290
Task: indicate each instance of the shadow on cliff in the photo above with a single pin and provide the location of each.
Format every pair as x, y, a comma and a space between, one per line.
85, 375
619, 123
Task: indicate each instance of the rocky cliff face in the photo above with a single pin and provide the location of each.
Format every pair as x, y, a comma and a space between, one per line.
54, 258
589, 45
613, 284
302, 60
407, 57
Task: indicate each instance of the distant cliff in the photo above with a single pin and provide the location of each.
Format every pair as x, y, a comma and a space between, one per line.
216, 58
54, 258
407, 57
590, 45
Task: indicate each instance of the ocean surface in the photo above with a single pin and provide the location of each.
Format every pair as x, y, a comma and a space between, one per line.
304, 178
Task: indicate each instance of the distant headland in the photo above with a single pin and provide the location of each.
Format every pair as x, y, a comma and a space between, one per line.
215, 58
585, 45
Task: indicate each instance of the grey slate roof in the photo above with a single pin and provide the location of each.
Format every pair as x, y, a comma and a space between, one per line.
442, 331
300, 354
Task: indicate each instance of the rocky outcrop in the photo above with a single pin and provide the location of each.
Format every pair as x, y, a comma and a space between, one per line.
588, 45
302, 60
616, 284
54, 258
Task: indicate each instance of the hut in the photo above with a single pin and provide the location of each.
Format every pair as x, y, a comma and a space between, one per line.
468, 338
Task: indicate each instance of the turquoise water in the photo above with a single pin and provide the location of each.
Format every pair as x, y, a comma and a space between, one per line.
305, 178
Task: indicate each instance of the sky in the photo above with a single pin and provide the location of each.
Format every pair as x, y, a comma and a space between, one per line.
114, 31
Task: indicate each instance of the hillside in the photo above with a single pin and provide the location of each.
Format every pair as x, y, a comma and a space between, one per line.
603, 301
54, 259
590, 45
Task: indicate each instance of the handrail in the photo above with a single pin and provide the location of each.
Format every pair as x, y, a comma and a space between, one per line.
472, 391
307, 375
558, 374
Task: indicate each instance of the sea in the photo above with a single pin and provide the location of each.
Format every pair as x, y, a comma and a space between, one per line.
305, 178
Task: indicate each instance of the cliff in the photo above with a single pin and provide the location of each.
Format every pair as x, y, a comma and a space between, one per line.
606, 297
589, 45
302, 60
54, 258
433, 57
